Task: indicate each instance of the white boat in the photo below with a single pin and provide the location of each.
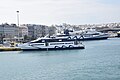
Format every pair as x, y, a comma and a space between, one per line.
84, 35
52, 43
93, 35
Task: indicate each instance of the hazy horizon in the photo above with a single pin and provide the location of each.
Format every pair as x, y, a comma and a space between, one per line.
50, 12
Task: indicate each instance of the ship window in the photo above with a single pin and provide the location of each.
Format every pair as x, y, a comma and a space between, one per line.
60, 40
43, 40
68, 43
56, 43
76, 42
38, 44
96, 34
62, 35
46, 44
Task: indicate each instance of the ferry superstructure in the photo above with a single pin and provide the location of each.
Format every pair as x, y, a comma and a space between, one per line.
52, 44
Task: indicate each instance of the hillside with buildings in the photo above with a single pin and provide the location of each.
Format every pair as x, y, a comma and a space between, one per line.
27, 32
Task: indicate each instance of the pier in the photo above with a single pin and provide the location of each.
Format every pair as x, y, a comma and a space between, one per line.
9, 49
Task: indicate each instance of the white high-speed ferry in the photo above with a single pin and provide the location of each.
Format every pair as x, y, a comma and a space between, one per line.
94, 35
51, 44
84, 35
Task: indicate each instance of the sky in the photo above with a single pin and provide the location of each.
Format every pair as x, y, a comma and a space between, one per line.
48, 12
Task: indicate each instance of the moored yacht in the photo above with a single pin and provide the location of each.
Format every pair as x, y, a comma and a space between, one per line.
52, 44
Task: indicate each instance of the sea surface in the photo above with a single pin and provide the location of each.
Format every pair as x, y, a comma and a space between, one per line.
100, 60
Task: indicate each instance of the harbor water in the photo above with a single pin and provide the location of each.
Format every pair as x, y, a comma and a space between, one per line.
100, 60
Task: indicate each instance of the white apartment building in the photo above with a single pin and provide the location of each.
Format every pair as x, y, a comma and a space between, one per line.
35, 31
9, 32
23, 30
40, 31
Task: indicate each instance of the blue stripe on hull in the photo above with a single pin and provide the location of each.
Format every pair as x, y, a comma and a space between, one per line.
98, 38
46, 49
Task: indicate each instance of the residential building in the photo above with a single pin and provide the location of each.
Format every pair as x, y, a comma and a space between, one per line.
40, 31
23, 31
9, 32
52, 30
1, 34
35, 31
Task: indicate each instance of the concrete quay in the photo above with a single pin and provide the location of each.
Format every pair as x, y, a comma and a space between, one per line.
9, 49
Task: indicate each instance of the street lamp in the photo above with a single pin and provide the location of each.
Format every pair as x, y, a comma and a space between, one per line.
18, 23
